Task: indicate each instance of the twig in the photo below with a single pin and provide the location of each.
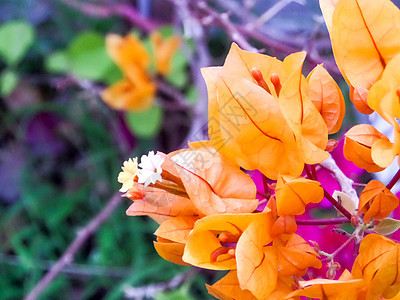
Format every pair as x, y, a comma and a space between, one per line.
223, 20
193, 29
176, 95
271, 12
346, 184
336, 204
149, 291
338, 250
69, 253
308, 172
78, 270
344, 245
394, 180
237, 9
323, 221
107, 10
265, 38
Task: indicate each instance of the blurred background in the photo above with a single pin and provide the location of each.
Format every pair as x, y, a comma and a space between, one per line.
62, 146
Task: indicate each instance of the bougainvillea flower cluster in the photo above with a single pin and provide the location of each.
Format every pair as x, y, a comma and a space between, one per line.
136, 90
265, 115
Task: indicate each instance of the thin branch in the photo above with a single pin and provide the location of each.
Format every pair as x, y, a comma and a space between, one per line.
308, 172
323, 221
338, 206
200, 58
231, 29
338, 250
263, 37
176, 95
394, 180
78, 270
344, 245
150, 291
108, 10
237, 9
68, 256
346, 184
272, 12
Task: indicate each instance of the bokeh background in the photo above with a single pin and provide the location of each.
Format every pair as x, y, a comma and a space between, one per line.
61, 146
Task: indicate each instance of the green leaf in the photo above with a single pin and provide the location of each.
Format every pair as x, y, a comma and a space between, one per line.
8, 82
166, 31
88, 57
145, 124
178, 75
191, 95
387, 226
57, 62
16, 37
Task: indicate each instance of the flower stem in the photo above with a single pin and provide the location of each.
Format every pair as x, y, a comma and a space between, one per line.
331, 256
344, 245
314, 172
310, 175
392, 182
323, 221
337, 205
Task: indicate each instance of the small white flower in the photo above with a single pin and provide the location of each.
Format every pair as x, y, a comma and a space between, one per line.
127, 176
150, 168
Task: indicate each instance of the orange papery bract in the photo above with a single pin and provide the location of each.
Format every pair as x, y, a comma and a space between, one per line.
293, 194
342, 289
327, 98
378, 264
358, 143
170, 251
280, 224
136, 90
158, 204
295, 255
243, 134
306, 122
127, 52
383, 97
203, 240
195, 183
284, 224
176, 229
359, 97
132, 93
258, 107
256, 264
213, 184
172, 236
376, 201
364, 39
163, 50
228, 288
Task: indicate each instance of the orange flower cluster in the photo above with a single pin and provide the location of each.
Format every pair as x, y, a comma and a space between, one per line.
261, 107
375, 275
205, 207
365, 39
137, 89
265, 115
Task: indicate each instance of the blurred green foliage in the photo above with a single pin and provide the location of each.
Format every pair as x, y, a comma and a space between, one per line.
145, 124
16, 37
61, 151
